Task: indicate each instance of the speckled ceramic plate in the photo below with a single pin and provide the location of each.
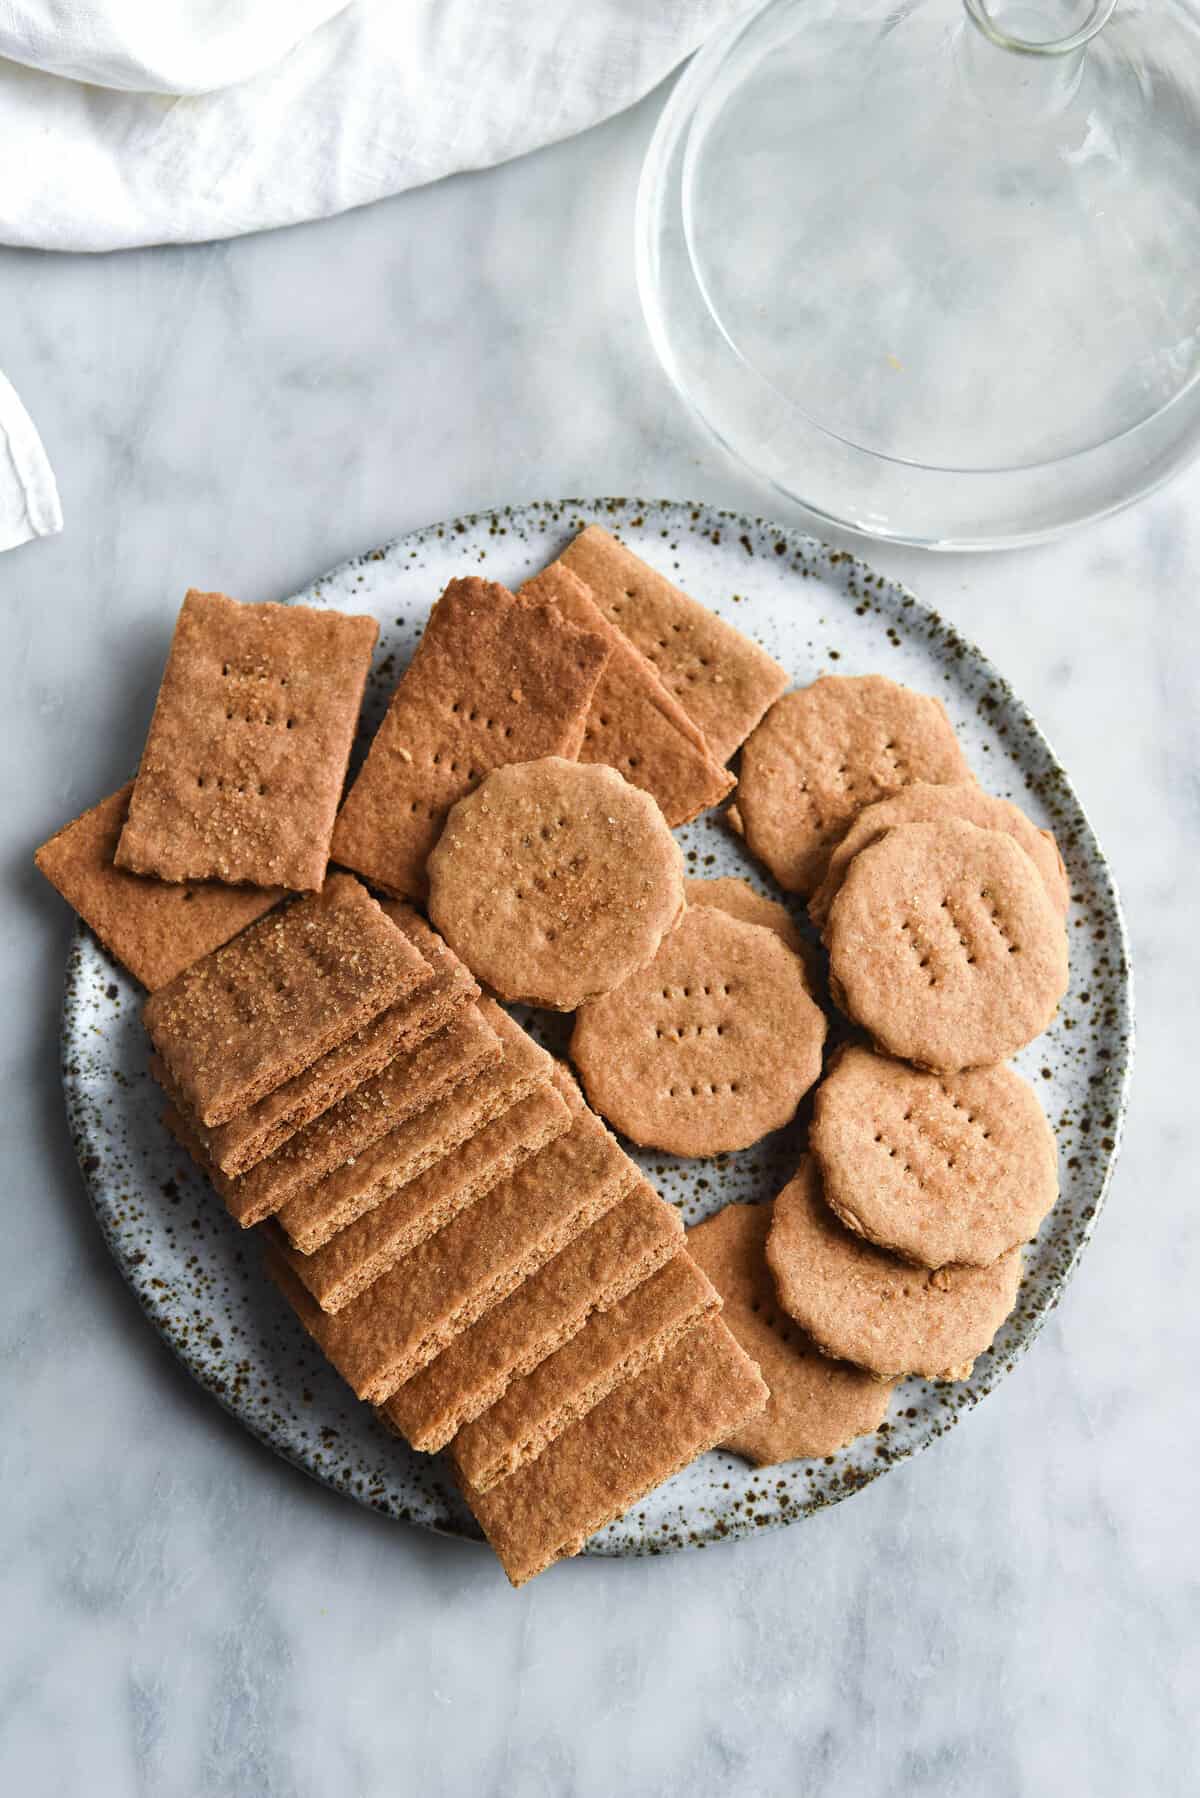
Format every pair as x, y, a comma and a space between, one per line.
197, 1276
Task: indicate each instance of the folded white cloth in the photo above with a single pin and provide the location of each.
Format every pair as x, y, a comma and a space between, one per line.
28, 495
374, 97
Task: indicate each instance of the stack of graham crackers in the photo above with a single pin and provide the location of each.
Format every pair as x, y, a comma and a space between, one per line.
458, 1231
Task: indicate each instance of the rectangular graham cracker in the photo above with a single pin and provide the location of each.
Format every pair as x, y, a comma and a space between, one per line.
493, 681
598, 1267
612, 1347
411, 1088
153, 928
409, 1315
310, 1217
633, 723
723, 681
633, 1440
295, 985
359, 1254
250, 1137
243, 769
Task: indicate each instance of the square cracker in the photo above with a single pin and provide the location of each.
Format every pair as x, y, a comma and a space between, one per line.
612, 1347
153, 928
602, 1264
244, 765
633, 723
310, 1217
493, 681
723, 681
420, 1305
253, 1135
633, 1440
295, 985
357, 1256
408, 1091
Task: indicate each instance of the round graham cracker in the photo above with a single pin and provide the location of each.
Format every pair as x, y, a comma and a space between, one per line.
945, 947
554, 881
708, 1048
817, 1405
938, 1168
821, 754
924, 803
860, 1304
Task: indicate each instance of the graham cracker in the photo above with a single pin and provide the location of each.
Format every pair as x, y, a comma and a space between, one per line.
234, 1148
154, 929
598, 1267
311, 1216
244, 765
723, 681
420, 1305
292, 987
633, 723
493, 681
612, 1347
703, 1390
359, 1254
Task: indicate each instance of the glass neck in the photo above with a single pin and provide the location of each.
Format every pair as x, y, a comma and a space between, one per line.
1040, 27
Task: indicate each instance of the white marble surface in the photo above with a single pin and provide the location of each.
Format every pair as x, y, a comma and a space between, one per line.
1018, 1611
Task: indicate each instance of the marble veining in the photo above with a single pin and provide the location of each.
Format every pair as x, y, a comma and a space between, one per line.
1016, 1611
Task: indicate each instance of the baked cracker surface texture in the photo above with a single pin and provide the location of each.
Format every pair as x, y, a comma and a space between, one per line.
722, 679
493, 680
244, 764
155, 928
817, 1405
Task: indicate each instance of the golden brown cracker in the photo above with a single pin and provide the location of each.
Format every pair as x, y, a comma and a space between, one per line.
295, 985
938, 1168
945, 947
730, 893
246, 757
154, 928
710, 1047
863, 1305
817, 1405
493, 681
821, 754
634, 724
722, 679
555, 881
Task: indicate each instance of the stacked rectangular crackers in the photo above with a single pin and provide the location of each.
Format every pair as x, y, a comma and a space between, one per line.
457, 1231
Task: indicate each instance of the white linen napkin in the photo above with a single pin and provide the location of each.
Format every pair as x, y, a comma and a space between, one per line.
28, 494
375, 97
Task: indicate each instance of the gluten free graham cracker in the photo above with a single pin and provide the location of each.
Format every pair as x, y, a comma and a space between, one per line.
311, 1216
244, 765
613, 1346
153, 928
817, 1405
411, 1313
702, 1391
365, 1249
604, 1262
295, 985
634, 724
493, 681
723, 681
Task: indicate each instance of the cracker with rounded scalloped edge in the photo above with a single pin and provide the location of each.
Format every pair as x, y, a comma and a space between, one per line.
925, 803
155, 928
945, 946
723, 680
710, 1047
246, 757
634, 724
863, 1305
494, 680
823, 752
817, 1405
